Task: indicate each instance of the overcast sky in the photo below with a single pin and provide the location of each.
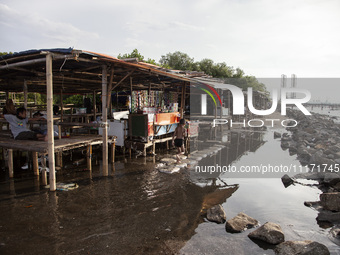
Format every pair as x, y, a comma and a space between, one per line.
265, 38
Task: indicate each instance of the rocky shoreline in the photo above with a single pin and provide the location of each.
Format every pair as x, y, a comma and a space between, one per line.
316, 142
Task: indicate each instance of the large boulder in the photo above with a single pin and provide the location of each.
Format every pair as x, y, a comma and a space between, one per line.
216, 214
239, 223
286, 180
302, 248
269, 232
330, 201
327, 216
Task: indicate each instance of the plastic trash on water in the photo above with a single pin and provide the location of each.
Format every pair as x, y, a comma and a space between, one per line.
64, 186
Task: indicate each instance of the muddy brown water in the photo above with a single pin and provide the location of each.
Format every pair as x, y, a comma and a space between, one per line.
139, 210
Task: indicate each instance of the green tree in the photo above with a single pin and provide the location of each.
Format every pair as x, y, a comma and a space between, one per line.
219, 70
178, 61
135, 54
5, 53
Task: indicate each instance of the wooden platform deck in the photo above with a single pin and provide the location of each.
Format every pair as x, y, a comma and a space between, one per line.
64, 144
60, 145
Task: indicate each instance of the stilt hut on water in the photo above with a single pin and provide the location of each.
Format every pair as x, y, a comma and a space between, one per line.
55, 72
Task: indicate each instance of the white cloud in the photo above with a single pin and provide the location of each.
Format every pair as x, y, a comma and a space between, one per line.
39, 30
263, 37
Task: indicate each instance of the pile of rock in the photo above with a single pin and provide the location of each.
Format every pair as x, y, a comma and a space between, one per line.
316, 141
269, 232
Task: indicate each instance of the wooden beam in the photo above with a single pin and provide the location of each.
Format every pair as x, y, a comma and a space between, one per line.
10, 163
104, 120
131, 72
50, 133
33, 61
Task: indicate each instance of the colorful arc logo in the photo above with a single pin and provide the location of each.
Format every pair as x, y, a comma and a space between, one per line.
209, 93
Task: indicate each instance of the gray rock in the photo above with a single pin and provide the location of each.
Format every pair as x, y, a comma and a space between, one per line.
302, 248
270, 232
286, 139
337, 186
330, 156
216, 214
330, 201
333, 217
239, 223
277, 135
331, 178
286, 180
334, 235
319, 158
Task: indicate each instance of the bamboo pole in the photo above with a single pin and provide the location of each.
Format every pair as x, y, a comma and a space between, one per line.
10, 163
104, 119
113, 148
50, 135
89, 157
35, 163
25, 94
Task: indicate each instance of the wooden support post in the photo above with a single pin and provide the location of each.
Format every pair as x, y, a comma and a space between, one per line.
94, 106
10, 163
50, 134
154, 148
59, 159
130, 152
104, 119
59, 132
44, 177
61, 106
109, 90
183, 100
35, 163
144, 152
113, 148
25, 94
89, 157
131, 88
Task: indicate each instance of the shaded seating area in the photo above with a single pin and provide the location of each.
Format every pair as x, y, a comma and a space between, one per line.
57, 72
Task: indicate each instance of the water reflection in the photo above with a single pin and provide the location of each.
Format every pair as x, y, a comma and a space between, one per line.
135, 210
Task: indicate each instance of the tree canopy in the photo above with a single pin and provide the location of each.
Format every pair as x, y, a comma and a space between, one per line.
135, 54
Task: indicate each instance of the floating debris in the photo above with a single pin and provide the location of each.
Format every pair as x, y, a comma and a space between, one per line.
168, 160
169, 170
64, 186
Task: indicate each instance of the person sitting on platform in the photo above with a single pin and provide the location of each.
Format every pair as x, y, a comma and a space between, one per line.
18, 126
9, 108
43, 128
